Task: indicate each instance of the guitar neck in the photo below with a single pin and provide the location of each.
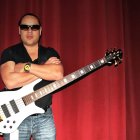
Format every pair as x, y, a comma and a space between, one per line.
32, 97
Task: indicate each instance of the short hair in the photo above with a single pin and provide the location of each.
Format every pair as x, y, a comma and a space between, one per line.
29, 14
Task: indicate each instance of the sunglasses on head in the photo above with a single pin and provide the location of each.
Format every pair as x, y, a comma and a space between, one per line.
32, 27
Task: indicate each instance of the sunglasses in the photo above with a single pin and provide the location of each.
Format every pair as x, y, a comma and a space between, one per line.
32, 27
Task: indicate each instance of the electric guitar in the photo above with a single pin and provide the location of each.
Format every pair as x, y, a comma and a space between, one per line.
15, 106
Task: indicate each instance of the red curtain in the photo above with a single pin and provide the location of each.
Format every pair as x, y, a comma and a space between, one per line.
105, 104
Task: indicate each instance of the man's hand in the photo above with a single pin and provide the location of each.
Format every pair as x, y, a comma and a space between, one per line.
53, 60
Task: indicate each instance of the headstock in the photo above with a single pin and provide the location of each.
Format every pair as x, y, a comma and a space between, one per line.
114, 56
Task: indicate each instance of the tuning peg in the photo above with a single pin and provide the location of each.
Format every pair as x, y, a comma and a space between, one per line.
116, 63
120, 59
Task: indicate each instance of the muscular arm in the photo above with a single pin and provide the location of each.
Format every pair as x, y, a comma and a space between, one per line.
14, 79
13, 75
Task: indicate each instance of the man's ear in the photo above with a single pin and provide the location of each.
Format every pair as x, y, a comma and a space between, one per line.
40, 31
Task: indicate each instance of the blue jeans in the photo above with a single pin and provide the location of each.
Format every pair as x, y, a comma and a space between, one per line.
40, 127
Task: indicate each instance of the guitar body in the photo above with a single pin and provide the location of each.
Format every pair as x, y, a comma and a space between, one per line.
10, 124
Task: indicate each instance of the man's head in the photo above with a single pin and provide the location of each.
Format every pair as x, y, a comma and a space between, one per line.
30, 29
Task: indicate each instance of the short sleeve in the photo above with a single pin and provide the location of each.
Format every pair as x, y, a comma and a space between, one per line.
46, 53
53, 52
6, 56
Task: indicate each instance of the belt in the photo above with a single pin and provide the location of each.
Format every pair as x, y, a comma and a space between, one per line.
40, 113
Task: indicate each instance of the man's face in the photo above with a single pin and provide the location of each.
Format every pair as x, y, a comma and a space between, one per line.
30, 30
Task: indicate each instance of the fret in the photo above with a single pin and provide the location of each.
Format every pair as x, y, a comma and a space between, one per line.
92, 66
65, 80
96, 64
32, 97
105, 60
45, 89
29, 98
77, 74
61, 83
41, 92
102, 61
54, 86
36, 95
57, 83
87, 69
99, 63
68, 77
82, 71
73, 76
25, 99
50, 88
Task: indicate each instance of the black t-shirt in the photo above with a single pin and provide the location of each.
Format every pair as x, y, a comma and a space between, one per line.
19, 54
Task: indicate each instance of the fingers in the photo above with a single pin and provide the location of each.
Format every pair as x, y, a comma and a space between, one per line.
53, 60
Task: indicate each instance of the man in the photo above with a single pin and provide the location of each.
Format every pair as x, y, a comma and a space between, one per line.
26, 62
